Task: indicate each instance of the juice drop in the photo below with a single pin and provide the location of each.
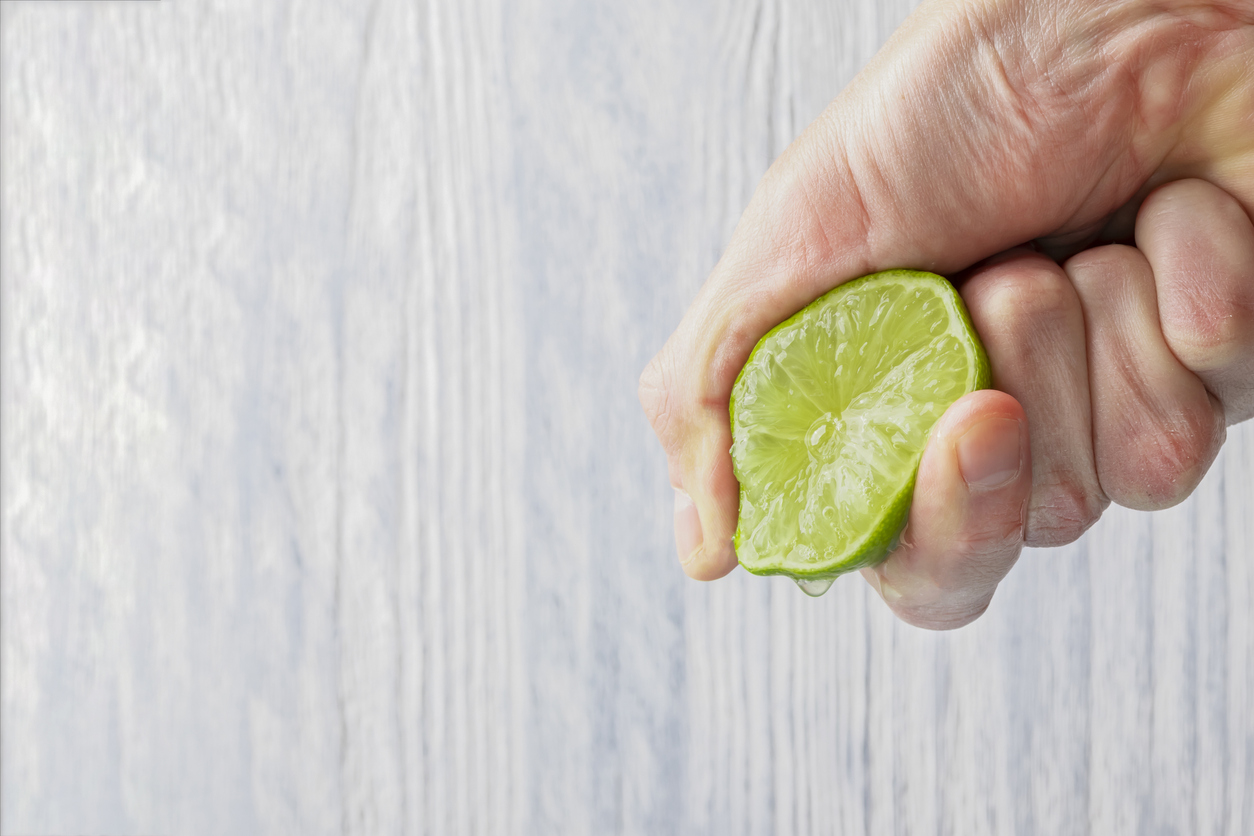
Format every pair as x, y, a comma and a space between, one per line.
815, 588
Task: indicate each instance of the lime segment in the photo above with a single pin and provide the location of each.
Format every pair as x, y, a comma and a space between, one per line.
830, 415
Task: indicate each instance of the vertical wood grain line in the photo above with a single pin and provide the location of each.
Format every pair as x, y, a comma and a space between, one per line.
430, 622
470, 593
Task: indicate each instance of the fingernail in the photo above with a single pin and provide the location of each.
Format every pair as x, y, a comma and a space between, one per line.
687, 527
988, 453
888, 592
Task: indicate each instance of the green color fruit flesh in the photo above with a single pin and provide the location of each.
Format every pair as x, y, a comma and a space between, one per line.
830, 415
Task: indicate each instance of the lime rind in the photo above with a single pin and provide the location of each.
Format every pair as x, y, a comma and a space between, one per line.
799, 557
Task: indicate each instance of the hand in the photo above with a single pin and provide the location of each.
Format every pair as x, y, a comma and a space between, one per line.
979, 127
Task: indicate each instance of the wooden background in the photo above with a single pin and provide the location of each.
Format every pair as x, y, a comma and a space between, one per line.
328, 506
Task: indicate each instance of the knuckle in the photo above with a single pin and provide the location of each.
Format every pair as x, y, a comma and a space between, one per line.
1158, 467
654, 392
1098, 264
1189, 194
1027, 291
1061, 512
1208, 319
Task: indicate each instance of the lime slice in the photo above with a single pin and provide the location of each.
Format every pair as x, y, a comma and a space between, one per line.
830, 416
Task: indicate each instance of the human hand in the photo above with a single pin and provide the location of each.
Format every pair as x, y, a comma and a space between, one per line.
980, 127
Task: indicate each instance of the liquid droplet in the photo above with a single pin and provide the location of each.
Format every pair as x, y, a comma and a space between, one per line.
815, 588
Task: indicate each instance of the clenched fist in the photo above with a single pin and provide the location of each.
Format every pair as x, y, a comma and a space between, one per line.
1085, 171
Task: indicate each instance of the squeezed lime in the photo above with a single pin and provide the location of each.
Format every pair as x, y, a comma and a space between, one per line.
830, 415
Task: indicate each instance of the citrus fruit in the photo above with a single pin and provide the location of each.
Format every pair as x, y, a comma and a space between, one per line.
830, 415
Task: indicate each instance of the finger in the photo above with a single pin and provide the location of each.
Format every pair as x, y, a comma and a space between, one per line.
706, 491
1029, 318
1155, 428
967, 518
1200, 246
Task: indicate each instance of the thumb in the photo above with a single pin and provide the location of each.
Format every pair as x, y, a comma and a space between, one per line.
966, 525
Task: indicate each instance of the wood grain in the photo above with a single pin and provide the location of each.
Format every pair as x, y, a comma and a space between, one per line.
327, 505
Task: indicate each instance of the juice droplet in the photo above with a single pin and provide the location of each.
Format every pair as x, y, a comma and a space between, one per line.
817, 587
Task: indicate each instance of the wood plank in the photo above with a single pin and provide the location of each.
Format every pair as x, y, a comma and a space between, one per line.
327, 505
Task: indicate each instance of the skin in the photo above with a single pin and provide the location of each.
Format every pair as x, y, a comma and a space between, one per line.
1085, 172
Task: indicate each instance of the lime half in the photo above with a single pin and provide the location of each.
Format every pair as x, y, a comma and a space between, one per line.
830, 416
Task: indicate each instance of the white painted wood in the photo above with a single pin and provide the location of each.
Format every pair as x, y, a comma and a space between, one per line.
328, 505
